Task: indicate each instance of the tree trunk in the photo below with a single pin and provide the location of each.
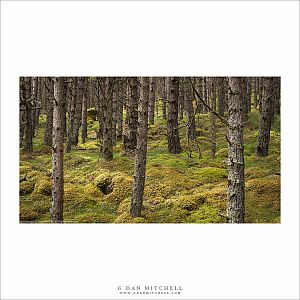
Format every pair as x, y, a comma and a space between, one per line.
28, 114
265, 123
78, 111
131, 117
213, 119
49, 111
152, 100
107, 85
236, 183
58, 152
140, 156
221, 96
164, 98
22, 120
189, 109
172, 122
84, 112
71, 112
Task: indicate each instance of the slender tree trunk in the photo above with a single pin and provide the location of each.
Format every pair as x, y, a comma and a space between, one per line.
152, 100
107, 94
221, 96
164, 98
78, 111
71, 112
245, 98
181, 104
189, 110
131, 117
172, 122
205, 96
84, 112
28, 114
49, 86
122, 98
22, 110
236, 183
255, 90
58, 152
140, 156
213, 119
265, 123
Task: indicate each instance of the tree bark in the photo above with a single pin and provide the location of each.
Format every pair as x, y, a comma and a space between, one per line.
266, 111
49, 87
213, 119
164, 98
236, 183
71, 113
152, 100
28, 114
221, 96
78, 111
172, 122
189, 109
107, 85
141, 151
84, 112
131, 117
58, 152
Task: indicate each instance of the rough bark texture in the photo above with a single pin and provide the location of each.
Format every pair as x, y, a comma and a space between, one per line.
21, 111
152, 100
213, 119
266, 111
71, 113
122, 98
28, 114
107, 85
58, 152
49, 86
189, 110
221, 95
236, 183
172, 122
164, 98
78, 111
84, 112
141, 151
131, 117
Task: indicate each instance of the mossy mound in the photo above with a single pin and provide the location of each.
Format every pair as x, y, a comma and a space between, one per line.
208, 174
43, 187
189, 202
126, 218
26, 187
91, 145
263, 200
115, 186
27, 214
93, 218
91, 189
206, 214
25, 168
222, 153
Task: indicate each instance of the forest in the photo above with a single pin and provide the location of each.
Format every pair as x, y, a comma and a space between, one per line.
149, 149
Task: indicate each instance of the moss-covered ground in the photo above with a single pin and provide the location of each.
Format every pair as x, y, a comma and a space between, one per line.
178, 189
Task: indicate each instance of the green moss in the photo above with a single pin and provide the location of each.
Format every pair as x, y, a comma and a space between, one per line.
205, 214
90, 189
26, 187
91, 145
126, 218
44, 187
27, 215
103, 181
208, 174
189, 202
92, 218
222, 153
25, 168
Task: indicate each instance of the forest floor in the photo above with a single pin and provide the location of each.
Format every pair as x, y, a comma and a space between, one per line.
178, 189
